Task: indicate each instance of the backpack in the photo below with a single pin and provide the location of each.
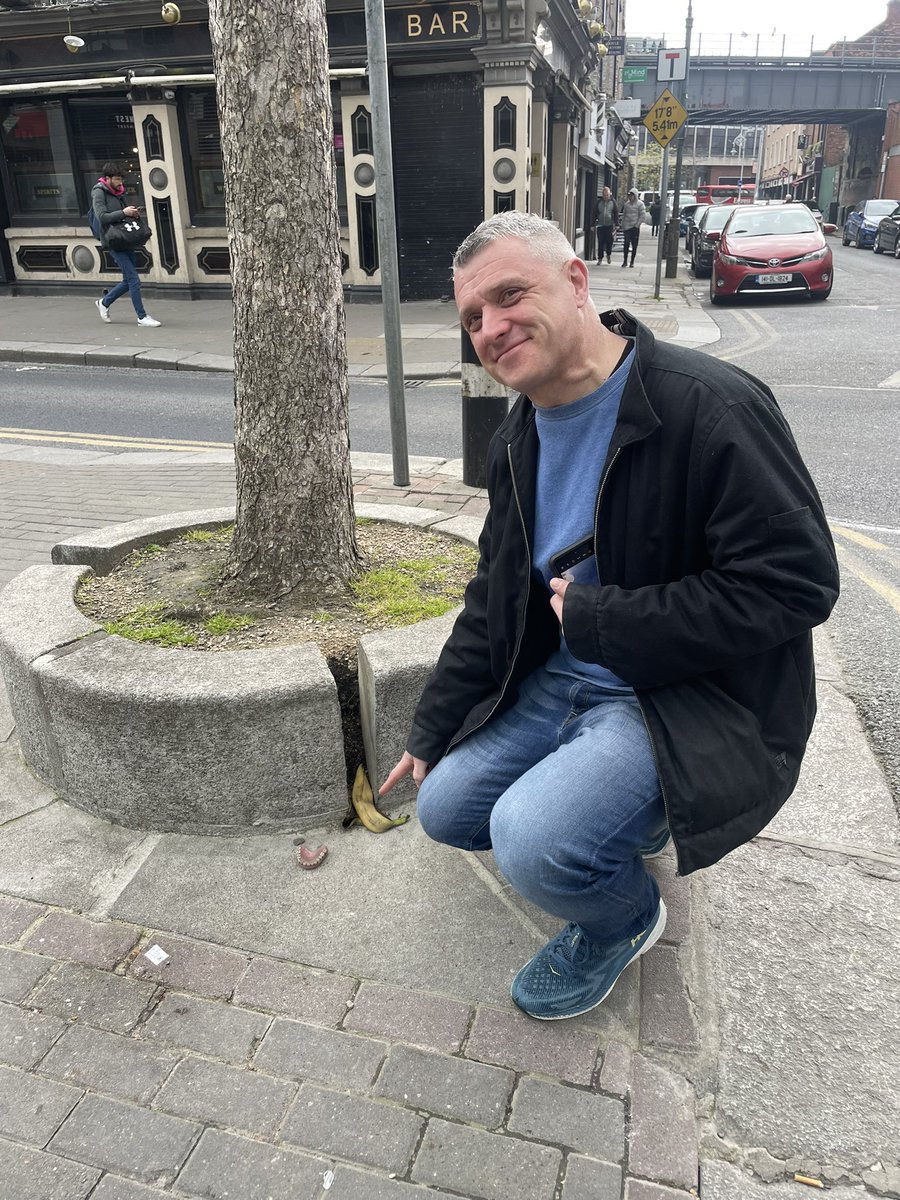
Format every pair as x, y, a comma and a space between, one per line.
91, 217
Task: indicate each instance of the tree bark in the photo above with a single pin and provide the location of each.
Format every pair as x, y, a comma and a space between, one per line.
295, 526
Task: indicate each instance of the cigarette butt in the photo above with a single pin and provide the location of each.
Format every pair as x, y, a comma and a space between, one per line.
808, 1181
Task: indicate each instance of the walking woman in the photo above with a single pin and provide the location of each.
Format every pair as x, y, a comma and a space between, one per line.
630, 218
106, 201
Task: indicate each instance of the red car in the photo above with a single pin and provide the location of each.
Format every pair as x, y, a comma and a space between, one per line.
771, 249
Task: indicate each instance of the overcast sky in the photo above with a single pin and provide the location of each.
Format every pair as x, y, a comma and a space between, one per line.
826, 20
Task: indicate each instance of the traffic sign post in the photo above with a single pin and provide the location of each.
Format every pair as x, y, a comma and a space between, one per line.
665, 118
671, 65
661, 232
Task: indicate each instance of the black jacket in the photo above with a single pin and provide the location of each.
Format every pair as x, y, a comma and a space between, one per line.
716, 562
107, 208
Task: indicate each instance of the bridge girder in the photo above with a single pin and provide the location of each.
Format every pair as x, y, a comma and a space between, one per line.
733, 93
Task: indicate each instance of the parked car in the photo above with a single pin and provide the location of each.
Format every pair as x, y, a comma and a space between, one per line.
691, 214
776, 250
887, 235
712, 221
862, 222
815, 210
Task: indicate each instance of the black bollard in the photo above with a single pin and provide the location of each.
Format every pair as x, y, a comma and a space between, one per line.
484, 408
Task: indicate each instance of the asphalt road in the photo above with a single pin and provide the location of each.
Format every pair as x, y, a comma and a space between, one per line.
198, 407
834, 369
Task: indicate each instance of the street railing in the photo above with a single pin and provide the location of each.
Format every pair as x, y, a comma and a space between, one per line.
759, 48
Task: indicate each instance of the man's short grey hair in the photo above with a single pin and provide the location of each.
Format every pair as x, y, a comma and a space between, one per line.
544, 238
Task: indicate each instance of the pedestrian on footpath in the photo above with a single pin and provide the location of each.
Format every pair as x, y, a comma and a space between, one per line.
109, 209
633, 213
606, 216
634, 656
655, 209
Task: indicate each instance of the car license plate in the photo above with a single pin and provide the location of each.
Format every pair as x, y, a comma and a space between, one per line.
774, 278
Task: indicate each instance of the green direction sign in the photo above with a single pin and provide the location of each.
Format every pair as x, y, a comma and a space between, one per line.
634, 74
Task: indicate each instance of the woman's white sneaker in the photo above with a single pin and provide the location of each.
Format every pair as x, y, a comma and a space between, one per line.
148, 322
103, 311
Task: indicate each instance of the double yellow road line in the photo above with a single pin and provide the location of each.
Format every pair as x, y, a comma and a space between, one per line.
110, 441
853, 563
760, 335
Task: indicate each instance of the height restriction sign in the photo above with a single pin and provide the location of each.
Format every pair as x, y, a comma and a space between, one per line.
665, 118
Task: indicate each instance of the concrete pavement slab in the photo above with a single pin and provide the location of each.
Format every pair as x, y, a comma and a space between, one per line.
63, 856
805, 974
724, 1181
420, 904
842, 795
20, 792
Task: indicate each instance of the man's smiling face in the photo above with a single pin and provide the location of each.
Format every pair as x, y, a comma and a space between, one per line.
523, 315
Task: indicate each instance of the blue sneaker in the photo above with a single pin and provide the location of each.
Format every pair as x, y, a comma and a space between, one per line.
572, 975
656, 847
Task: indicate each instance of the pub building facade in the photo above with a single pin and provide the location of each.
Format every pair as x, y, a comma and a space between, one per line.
495, 105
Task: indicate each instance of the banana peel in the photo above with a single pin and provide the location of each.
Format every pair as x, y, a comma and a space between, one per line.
362, 801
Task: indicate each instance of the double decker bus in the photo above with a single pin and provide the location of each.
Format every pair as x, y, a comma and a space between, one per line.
725, 193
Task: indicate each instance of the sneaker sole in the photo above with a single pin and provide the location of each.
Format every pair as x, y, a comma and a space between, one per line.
653, 936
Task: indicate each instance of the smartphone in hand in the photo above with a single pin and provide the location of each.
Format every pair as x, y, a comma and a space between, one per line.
563, 562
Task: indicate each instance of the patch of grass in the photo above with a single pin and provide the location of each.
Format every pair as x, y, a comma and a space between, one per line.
148, 551
223, 622
365, 520
146, 624
209, 535
323, 617
411, 590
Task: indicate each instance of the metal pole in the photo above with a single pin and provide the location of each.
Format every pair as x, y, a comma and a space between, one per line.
376, 43
674, 237
660, 233
741, 167
760, 154
484, 407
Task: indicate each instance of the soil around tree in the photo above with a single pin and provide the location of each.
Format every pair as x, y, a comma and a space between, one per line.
170, 596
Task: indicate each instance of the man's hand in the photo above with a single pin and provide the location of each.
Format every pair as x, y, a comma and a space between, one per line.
558, 587
418, 767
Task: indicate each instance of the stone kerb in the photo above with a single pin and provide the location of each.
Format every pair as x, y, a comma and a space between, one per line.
168, 740
177, 741
101, 549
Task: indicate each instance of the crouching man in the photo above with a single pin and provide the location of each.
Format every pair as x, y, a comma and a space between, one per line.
634, 657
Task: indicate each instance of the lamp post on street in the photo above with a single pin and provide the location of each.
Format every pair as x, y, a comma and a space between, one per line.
673, 236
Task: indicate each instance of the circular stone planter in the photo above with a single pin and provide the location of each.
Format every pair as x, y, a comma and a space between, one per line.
188, 742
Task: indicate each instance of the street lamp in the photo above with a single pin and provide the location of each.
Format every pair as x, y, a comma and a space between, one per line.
740, 142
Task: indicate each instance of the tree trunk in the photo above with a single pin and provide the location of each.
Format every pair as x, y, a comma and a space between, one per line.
294, 529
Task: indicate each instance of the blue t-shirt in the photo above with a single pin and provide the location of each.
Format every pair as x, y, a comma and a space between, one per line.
574, 440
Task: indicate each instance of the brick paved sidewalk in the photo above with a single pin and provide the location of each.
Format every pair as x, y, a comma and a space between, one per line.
43, 502
236, 1073
227, 1074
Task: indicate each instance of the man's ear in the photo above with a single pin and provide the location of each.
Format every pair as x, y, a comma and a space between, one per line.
578, 277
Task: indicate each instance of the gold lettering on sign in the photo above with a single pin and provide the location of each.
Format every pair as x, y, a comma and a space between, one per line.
436, 23
461, 21
413, 25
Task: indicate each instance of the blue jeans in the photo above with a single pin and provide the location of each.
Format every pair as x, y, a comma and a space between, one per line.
563, 787
131, 282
